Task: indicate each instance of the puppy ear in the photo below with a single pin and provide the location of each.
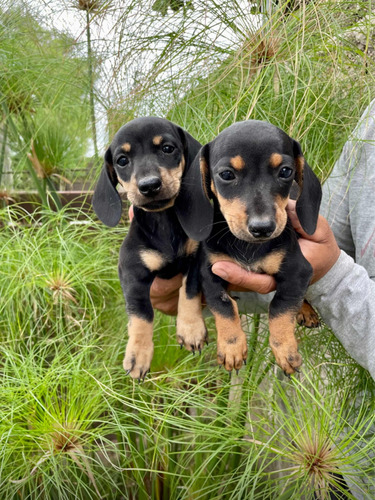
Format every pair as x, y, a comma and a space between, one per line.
106, 201
193, 207
310, 192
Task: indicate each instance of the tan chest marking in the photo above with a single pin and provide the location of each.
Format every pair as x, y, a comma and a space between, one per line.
270, 264
152, 259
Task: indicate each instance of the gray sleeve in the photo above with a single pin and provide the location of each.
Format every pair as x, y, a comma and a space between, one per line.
348, 201
345, 298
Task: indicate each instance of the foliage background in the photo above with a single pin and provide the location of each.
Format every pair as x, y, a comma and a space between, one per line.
72, 425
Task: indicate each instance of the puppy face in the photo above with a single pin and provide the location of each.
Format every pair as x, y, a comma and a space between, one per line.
146, 156
252, 166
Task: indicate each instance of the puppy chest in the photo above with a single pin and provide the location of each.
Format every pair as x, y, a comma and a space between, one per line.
266, 264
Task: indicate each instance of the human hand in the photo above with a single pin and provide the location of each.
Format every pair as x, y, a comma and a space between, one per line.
320, 249
164, 294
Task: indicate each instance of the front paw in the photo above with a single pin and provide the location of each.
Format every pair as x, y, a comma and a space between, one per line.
192, 334
138, 357
287, 356
232, 351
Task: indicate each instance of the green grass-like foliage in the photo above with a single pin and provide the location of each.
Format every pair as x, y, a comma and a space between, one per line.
73, 426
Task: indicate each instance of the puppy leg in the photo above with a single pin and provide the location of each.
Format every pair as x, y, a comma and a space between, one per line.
231, 339
283, 342
307, 316
292, 282
190, 327
140, 347
136, 281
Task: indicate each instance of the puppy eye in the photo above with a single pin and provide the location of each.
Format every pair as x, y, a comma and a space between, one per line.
167, 148
285, 172
122, 161
227, 175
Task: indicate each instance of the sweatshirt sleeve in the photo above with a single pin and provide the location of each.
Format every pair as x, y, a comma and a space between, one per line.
345, 298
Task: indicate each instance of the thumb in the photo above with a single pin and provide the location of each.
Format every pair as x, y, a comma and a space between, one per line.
242, 280
293, 217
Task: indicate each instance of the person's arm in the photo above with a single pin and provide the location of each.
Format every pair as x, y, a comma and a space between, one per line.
345, 298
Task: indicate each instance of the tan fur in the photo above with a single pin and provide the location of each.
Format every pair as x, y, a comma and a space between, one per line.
126, 147
300, 163
140, 347
171, 183
276, 160
191, 246
237, 162
235, 214
205, 175
231, 339
171, 177
215, 257
190, 328
152, 259
270, 264
128, 187
307, 316
157, 140
283, 342
281, 215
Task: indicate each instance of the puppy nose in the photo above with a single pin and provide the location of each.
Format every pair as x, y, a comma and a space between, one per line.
150, 185
262, 229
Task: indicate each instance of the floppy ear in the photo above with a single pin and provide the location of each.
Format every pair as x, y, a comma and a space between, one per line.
193, 207
310, 195
106, 200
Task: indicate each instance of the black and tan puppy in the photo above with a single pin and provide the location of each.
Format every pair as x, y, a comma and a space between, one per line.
248, 171
152, 159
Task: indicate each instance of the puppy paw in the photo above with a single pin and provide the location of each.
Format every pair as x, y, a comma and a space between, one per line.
138, 357
192, 334
287, 356
232, 351
307, 316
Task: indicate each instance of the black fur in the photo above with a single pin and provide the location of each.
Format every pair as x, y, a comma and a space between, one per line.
248, 171
148, 156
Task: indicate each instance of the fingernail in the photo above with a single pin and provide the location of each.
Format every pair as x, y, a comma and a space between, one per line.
219, 271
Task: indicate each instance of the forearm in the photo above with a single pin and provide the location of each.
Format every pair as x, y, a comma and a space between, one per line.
345, 298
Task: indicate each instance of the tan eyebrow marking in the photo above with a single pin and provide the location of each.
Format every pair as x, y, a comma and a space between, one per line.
157, 140
237, 162
276, 160
126, 147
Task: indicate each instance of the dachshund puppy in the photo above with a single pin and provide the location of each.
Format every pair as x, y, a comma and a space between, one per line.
152, 159
248, 171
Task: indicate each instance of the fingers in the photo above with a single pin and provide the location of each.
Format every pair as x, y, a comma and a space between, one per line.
164, 294
242, 280
162, 287
320, 248
322, 233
